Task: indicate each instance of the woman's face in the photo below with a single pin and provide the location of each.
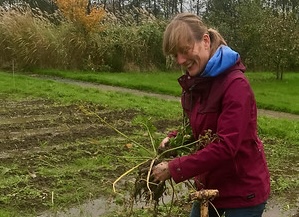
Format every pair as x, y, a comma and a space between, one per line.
195, 59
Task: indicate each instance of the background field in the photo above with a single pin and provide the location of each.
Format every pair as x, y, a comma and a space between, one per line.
273, 94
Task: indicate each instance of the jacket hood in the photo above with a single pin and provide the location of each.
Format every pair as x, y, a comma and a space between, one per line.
199, 83
223, 59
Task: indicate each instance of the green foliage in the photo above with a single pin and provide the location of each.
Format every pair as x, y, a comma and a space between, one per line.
246, 38
27, 39
266, 41
34, 39
127, 48
280, 38
281, 141
152, 35
158, 82
30, 40
286, 130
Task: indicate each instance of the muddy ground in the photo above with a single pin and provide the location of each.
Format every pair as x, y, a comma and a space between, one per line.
36, 134
39, 128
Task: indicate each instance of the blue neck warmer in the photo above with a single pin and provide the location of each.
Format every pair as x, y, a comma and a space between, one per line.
223, 59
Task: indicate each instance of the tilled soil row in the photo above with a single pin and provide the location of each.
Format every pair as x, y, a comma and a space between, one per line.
39, 135
28, 124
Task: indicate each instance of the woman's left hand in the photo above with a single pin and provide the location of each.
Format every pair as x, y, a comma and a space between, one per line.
161, 171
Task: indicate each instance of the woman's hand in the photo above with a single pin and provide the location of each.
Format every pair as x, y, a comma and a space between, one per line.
163, 145
161, 172
164, 142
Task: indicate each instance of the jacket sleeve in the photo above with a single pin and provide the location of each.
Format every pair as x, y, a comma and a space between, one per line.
237, 114
172, 134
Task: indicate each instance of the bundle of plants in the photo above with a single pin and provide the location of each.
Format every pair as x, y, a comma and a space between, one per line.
183, 143
145, 188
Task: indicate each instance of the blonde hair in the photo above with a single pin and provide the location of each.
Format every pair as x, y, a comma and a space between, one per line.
184, 30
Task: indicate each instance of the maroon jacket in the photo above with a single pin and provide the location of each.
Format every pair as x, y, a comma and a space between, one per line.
235, 164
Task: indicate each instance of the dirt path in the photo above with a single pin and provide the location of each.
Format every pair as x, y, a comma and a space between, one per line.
262, 112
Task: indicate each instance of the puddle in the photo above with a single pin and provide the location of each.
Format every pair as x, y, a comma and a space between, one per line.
94, 208
101, 206
275, 209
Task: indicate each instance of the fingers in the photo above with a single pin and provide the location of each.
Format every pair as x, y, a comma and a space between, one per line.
161, 172
164, 142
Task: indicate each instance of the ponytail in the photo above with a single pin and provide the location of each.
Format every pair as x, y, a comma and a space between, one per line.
216, 39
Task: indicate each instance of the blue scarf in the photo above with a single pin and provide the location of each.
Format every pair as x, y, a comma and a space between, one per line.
223, 59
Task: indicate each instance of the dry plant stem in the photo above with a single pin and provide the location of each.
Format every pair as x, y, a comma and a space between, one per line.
190, 185
86, 111
214, 208
148, 177
152, 140
124, 174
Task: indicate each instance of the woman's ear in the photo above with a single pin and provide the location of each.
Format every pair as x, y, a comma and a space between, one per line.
207, 41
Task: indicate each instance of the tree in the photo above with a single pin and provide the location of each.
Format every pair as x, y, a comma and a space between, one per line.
247, 34
82, 13
280, 37
266, 38
222, 14
44, 5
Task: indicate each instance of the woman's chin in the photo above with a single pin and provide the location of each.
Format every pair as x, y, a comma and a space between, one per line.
193, 72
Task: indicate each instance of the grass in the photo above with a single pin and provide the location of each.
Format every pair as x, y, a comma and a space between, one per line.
21, 86
278, 95
281, 140
71, 178
157, 82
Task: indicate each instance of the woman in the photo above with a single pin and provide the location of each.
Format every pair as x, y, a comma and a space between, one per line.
217, 96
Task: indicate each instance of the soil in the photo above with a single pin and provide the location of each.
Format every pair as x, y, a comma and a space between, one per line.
37, 130
26, 125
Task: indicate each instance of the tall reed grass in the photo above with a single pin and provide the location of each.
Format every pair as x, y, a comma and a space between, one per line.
32, 39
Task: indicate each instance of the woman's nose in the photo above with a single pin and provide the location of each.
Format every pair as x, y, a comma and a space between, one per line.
180, 58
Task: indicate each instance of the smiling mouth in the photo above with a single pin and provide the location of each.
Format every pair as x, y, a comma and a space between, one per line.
188, 65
